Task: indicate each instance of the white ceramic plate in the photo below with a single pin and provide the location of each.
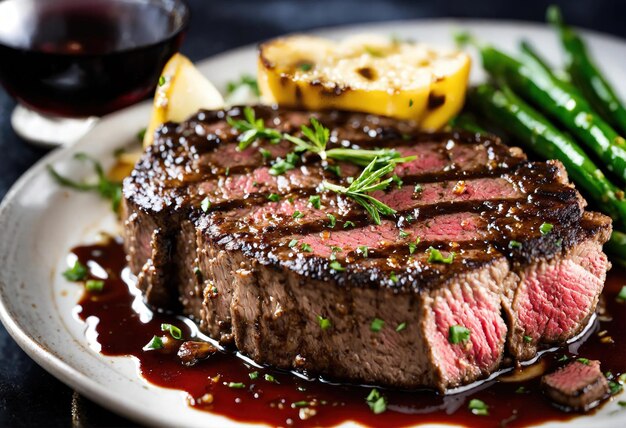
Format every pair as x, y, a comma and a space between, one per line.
40, 222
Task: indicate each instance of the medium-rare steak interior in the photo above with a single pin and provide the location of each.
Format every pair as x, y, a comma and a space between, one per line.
487, 256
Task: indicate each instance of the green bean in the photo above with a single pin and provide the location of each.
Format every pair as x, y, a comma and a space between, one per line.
558, 101
467, 122
586, 75
531, 56
509, 112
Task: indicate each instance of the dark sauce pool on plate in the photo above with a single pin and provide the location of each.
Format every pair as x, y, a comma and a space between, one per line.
234, 387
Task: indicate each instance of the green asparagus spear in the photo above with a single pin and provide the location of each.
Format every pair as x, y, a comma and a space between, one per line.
559, 102
586, 74
509, 112
617, 246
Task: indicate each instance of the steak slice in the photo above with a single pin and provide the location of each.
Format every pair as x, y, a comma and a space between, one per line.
578, 386
263, 273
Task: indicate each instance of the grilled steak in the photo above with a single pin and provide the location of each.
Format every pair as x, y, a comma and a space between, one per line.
580, 385
257, 276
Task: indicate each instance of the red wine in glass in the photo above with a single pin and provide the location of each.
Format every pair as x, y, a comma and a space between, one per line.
79, 58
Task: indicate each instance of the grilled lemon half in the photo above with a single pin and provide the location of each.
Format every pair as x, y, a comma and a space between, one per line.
367, 73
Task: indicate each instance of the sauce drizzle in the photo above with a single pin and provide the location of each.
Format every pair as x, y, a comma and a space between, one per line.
283, 399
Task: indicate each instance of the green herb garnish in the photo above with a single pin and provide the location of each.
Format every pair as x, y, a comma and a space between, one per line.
528, 339
376, 402
175, 332
315, 201
404, 234
418, 188
252, 129
254, 375
377, 325
297, 214
348, 224
270, 378
306, 247
458, 334
393, 277
622, 294
546, 228
478, 407
305, 66
331, 220
337, 266
584, 361
300, 404
77, 272
515, 244
273, 197
236, 385
323, 322
370, 180
106, 188
94, 285
155, 343
401, 327
435, 256
293, 243
162, 80
283, 165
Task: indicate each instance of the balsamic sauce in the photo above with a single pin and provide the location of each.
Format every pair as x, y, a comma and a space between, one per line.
125, 326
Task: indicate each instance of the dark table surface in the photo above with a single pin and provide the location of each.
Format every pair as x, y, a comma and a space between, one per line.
29, 396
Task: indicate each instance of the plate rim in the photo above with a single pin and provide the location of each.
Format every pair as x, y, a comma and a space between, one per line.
62, 370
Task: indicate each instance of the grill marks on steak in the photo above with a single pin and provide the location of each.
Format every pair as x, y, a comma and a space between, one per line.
254, 290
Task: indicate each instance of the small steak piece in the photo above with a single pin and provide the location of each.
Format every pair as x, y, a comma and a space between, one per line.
578, 386
294, 277
190, 353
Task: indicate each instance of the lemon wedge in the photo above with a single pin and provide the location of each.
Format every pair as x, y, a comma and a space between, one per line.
182, 91
367, 73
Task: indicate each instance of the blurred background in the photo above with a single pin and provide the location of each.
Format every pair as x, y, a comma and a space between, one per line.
31, 397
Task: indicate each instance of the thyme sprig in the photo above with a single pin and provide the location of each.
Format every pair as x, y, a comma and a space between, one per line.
314, 140
370, 180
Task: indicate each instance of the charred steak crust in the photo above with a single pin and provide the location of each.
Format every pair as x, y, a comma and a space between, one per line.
233, 268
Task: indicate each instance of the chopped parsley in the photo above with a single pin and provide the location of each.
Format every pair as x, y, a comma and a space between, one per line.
458, 334
584, 361
265, 153
528, 339
205, 205
282, 165
236, 385
392, 277
515, 244
418, 188
244, 80
401, 327
77, 272
404, 234
269, 378
377, 325
306, 247
435, 256
413, 245
363, 250
175, 332
293, 243
162, 80
324, 322
332, 220
478, 407
155, 343
615, 387
315, 201
335, 265
254, 375
348, 224
94, 285
376, 402
546, 228
297, 214
273, 197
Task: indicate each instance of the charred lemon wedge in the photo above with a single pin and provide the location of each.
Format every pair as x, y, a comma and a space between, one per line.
367, 73
182, 91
